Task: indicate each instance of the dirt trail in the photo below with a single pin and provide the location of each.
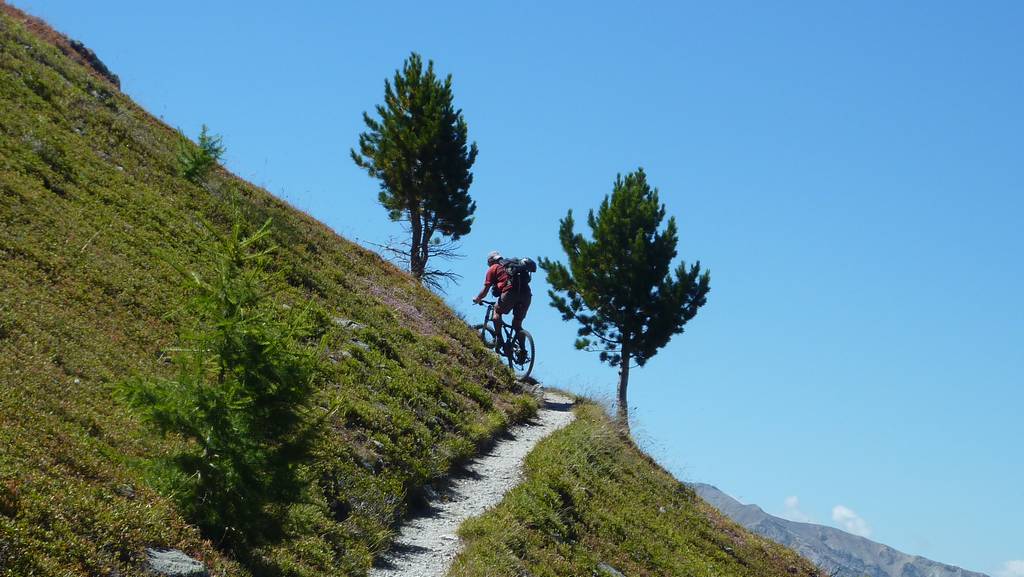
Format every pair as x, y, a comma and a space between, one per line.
427, 545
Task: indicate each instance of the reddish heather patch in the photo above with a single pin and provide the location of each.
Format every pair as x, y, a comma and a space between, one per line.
79, 54
405, 305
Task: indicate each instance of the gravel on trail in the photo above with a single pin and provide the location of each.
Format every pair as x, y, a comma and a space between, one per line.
427, 545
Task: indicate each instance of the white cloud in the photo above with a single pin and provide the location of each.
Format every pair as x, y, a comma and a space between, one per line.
793, 512
1011, 569
850, 521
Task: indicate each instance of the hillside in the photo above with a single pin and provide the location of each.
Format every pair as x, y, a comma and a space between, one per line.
97, 225
594, 505
841, 553
94, 219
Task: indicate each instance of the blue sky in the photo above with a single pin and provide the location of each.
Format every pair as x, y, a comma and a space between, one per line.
851, 173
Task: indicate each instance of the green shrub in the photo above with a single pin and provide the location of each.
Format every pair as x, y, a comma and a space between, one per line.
196, 162
246, 375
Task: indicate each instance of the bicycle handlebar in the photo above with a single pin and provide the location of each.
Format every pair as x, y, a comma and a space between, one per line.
492, 303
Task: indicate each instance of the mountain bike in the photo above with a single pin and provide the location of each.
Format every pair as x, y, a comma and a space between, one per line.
511, 341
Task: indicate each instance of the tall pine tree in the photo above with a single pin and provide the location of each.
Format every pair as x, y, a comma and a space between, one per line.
418, 150
618, 285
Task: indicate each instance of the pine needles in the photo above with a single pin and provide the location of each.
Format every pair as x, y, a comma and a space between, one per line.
246, 375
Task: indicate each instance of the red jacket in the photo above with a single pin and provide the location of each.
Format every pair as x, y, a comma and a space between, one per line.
496, 276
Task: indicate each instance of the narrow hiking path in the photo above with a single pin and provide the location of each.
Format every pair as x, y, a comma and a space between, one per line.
426, 545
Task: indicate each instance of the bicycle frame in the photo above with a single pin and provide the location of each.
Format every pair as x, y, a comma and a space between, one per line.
508, 331
517, 345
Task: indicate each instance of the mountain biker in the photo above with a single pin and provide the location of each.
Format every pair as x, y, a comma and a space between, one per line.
517, 300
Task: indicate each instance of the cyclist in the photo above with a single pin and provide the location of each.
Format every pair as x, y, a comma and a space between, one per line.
509, 299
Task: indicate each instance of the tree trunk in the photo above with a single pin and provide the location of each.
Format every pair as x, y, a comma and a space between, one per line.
623, 405
426, 233
417, 263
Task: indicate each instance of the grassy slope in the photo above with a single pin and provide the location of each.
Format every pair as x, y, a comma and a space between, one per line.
93, 219
590, 499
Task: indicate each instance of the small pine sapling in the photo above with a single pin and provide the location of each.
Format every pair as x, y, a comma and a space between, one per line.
246, 375
196, 161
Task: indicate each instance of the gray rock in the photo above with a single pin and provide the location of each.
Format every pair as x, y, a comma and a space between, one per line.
95, 62
173, 563
608, 571
347, 323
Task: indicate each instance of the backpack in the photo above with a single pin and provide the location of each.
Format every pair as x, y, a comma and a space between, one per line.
518, 271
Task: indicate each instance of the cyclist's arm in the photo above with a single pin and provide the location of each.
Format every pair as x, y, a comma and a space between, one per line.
488, 281
483, 293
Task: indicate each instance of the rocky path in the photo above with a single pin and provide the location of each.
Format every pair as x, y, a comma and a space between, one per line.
427, 545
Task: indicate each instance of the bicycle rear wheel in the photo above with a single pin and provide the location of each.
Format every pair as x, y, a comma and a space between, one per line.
524, 368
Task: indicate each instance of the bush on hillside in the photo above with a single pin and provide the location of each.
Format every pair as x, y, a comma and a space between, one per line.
196, 162
246, 376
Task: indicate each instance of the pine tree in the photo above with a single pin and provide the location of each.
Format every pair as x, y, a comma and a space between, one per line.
196, 162
418, 150
244, 385
618, 285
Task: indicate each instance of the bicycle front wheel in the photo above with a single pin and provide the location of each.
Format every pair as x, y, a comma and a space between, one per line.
486, 330
486, 333
523, 355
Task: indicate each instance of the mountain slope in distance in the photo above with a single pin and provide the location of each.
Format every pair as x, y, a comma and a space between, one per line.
838, 552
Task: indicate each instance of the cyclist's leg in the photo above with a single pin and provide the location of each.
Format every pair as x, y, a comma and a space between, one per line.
518, 314
500, 308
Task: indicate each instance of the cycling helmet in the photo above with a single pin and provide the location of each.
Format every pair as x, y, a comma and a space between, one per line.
493, 257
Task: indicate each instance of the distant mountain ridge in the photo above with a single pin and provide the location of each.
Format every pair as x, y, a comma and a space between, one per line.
831, 549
